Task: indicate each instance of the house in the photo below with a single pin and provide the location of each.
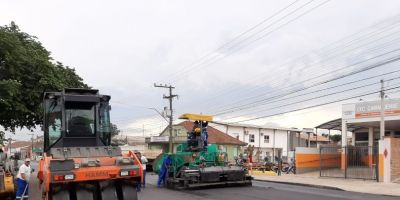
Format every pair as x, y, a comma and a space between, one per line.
230, 145
19, 148
271, 142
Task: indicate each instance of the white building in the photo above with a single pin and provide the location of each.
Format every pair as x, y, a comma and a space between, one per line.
270, 142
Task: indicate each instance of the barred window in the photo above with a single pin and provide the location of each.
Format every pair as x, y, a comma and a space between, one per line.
266, 138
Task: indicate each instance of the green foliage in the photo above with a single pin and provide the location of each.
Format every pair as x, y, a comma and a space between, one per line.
26, 72
2, 139
336, 138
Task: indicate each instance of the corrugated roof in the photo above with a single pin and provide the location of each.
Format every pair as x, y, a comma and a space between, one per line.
336, 124
19, 144
214, 136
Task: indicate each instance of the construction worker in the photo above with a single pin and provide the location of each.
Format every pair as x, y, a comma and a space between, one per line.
204, 135
162, 175
280, 166
144, 161
3, 158
23, 176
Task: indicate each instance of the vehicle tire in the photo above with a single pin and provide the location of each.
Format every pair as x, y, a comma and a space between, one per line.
109, 193
82, 194
129, 192
61, 195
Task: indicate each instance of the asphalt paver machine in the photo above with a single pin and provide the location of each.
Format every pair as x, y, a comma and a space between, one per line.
199, 164
79, 163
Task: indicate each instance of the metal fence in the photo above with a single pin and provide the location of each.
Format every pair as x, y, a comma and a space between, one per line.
360, 162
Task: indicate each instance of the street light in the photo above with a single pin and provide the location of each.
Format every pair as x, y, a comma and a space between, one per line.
155, 109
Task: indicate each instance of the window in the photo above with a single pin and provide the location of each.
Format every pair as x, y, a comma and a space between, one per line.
177, 132
104, 123
80, 119
251, 138
266, 138
53, 121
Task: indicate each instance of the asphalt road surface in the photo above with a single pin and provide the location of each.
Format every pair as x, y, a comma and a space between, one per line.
259, 191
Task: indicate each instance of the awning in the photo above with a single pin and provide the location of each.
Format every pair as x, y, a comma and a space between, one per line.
198, 117
337, 125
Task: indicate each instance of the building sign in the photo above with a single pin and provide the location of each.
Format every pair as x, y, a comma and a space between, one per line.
308, 130
159, 139
370, 109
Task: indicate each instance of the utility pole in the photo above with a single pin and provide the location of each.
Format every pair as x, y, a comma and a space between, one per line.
32, 144
170, 98
9, 145
382, 126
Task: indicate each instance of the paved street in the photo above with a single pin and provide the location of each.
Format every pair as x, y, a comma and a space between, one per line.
259, 190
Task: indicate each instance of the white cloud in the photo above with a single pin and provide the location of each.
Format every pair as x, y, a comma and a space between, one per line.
123, 47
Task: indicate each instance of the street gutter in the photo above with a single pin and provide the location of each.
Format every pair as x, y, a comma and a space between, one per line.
302, 184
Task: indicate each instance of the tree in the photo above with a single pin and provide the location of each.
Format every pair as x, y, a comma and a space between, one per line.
336, 138
2, 139
26, 72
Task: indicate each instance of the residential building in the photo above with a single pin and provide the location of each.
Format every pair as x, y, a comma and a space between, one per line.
372, 152
230, 145
271, 142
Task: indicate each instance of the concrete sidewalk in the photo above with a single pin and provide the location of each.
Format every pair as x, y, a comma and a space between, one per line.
354, 185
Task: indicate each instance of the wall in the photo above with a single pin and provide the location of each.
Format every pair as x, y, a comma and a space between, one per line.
309, 159
395, 160
232, 151
179, 131
281, 140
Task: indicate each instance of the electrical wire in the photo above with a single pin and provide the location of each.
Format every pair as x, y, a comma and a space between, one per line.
393, 59
313, 106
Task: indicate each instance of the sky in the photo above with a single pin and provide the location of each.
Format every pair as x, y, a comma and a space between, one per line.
227, 58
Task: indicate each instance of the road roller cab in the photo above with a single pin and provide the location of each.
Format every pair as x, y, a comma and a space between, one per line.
79, 162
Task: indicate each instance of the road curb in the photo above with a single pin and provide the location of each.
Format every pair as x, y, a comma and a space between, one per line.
302, 184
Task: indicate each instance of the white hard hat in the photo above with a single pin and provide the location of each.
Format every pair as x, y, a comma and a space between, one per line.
27, 160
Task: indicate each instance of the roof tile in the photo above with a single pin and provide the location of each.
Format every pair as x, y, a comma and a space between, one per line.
214, 135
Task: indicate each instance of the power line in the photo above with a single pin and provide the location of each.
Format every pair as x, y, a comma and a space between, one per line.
237, 37
308, 66
393, 59
381, 26
251, 42
318, 97
316, 91
313, 106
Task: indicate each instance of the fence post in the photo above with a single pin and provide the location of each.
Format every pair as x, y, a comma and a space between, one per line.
345, 161
320, 161
375, 152
294, 162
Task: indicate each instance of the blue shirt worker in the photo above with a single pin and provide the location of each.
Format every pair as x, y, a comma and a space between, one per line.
23, 176
162, 175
